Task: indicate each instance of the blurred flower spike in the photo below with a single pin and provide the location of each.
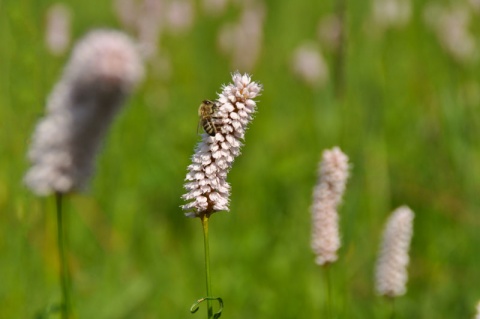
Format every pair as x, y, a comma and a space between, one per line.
309, 65
391, 274
103, 70
57, 32
206, 185
327, 195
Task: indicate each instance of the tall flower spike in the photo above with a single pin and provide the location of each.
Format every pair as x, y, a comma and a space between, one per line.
206, 185
327, 195
391, 274
477, 316
103, 70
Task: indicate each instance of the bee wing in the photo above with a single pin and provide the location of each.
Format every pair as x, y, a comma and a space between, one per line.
198, 125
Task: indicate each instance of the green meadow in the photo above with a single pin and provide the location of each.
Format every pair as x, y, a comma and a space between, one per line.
408, 118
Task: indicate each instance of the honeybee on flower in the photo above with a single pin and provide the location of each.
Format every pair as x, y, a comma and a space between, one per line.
208, 119
225, 121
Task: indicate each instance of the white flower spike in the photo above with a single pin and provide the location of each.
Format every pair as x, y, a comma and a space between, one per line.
102, 72
333, 175
391, 275
206, 185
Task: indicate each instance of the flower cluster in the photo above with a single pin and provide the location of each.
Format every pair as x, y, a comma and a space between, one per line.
309, 65
207, 188
391, 13
103, 70
243, 40
391, 274
333, 175
452, 26
57, 31
149, 20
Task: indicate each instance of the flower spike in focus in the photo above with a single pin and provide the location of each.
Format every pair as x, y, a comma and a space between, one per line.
206, 185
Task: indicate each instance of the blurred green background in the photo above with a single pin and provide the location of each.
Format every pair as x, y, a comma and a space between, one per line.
408, 118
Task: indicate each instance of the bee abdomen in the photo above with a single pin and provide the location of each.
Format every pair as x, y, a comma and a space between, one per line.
210, 127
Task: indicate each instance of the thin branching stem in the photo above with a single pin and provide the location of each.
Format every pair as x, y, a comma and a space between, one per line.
64, 274
204, 219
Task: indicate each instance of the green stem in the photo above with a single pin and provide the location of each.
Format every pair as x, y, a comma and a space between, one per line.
64, 275
339, 58
204, 219
329, 291
392, 304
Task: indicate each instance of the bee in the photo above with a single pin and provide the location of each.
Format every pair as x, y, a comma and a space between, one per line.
207, 117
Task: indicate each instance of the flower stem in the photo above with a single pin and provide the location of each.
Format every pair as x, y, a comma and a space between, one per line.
64, 275
392, 304
204, 219
339, 59
329, 291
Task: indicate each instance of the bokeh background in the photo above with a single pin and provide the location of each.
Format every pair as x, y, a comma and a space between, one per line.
400, 95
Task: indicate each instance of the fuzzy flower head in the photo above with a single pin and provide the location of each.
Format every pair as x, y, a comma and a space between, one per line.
391, 13
333, 175
57, 31
103, 70
452, 29
391, 273
309, 65
243, 40
206, 185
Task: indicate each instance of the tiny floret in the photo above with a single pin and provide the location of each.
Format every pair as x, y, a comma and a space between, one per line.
206, 185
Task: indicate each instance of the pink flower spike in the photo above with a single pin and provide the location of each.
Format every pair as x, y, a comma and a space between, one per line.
214, 155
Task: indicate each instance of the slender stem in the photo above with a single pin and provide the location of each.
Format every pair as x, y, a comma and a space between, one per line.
339, 59
64, 275
329, 291
207, 265
392, 304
